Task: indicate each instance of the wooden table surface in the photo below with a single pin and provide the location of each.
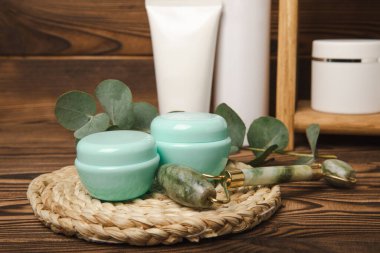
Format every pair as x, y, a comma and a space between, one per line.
313, 218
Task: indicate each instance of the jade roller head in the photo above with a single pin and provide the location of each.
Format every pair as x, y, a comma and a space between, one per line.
338, 173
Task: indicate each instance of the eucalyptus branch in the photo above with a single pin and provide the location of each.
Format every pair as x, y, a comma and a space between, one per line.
281, 152
76, 110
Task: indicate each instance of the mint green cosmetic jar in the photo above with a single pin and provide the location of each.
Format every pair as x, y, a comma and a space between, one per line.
197, 140
117, 165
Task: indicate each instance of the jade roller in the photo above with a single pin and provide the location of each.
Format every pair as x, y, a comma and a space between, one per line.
191, 188
336, 173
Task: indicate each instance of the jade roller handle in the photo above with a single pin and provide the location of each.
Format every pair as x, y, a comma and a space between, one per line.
335, 172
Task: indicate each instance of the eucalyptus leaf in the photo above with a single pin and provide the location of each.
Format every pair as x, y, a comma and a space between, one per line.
144, 113
236, 127
97, 123
260, 159
234, 150
265, 132
74, 109
312, 134
116, 99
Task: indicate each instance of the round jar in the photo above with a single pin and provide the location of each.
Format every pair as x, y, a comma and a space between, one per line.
117, 165
197, 140
346, 76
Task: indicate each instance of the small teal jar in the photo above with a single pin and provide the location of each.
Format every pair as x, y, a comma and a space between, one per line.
197, 140
117, 165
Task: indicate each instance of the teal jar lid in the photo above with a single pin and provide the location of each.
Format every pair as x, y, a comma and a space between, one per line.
116, 148
189, 127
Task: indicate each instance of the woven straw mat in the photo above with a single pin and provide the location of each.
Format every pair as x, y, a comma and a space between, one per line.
60, 201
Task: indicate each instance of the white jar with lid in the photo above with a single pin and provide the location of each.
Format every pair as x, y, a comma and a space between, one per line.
346, 76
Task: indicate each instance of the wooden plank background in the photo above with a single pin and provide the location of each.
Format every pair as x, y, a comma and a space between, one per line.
50, 46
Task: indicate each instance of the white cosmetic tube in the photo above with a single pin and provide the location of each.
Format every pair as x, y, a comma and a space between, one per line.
242, 60
184, 35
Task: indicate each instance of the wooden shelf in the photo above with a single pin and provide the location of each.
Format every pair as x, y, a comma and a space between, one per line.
297, 119
364, 124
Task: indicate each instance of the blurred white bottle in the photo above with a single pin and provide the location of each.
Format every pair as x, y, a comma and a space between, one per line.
242, 63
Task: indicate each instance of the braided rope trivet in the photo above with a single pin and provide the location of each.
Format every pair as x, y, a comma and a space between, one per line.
61, 203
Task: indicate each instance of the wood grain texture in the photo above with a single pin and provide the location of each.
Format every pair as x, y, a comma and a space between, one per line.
331, 19
83, 27
287, 65
321, 21
365, 124
30, 86
328, 19
120, 27
61, 34
314, 217
31, 143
